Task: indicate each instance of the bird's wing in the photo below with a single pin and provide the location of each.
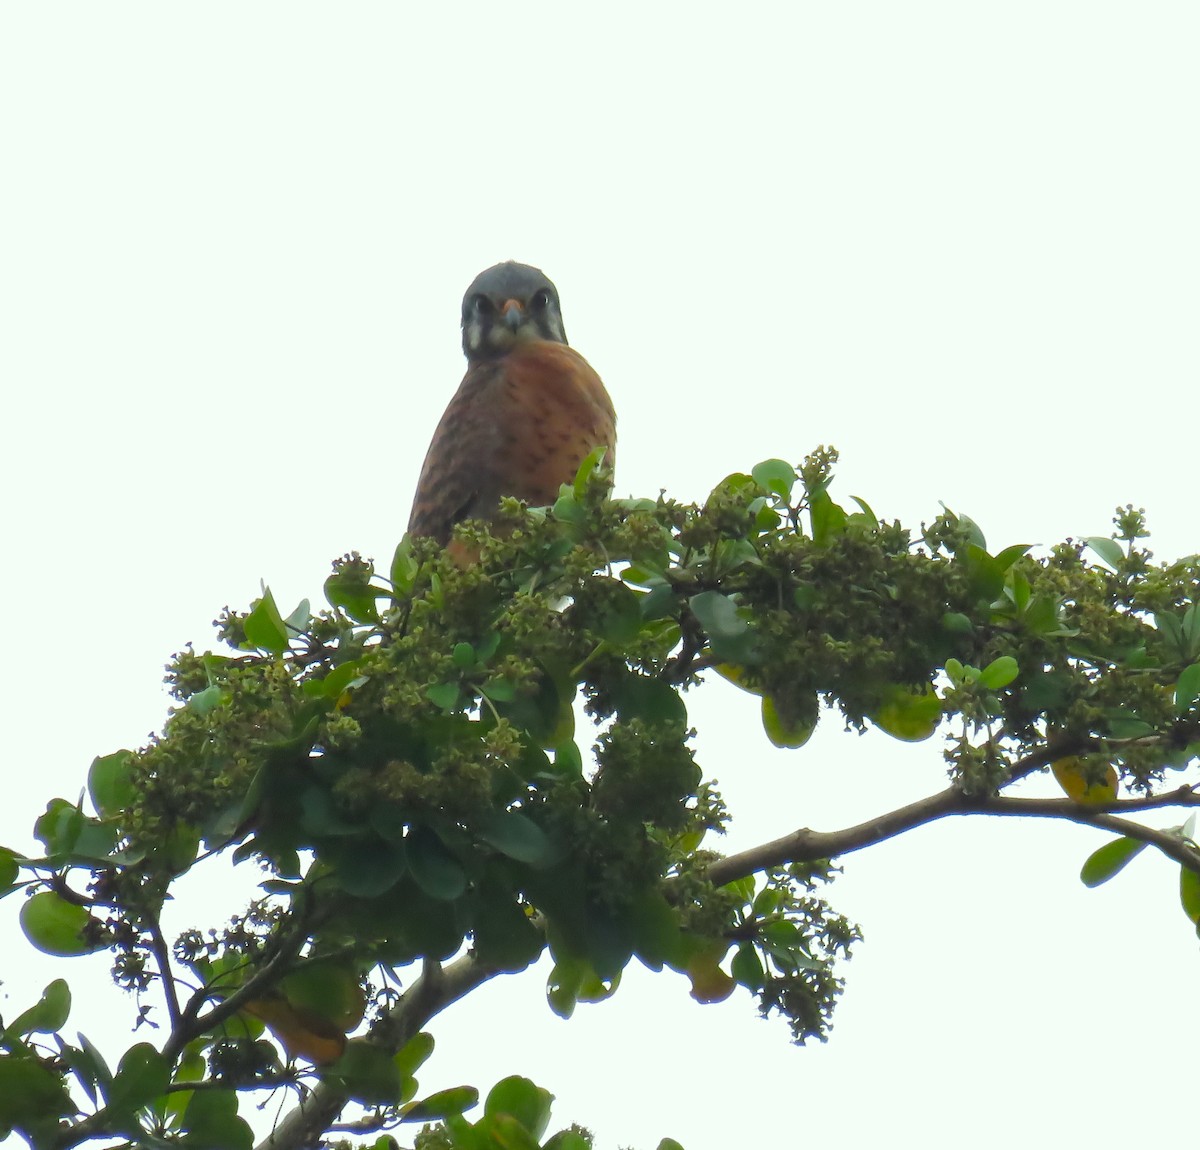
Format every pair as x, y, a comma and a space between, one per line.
460, 478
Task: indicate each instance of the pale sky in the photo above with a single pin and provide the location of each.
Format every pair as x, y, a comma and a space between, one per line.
959, 241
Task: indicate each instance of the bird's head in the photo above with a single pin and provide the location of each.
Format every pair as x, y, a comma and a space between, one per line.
506, 305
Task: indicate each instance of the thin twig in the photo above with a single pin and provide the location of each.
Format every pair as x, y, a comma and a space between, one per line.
158, 945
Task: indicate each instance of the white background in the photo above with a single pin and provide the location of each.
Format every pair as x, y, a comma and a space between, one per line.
959, 241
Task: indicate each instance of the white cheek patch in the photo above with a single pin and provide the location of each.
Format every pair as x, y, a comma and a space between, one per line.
474, 335
528, 332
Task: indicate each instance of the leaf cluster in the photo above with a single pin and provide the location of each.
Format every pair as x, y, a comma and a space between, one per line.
406, 768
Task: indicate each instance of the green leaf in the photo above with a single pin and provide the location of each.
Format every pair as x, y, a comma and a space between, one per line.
326, 989
591, 463
516, 835
795, 729
92, 1065
32, 1098
1191, 632
343, 677
56, 926
404, 568
568, 1140
955, 623
1172, 631
463, 656
142, 1075
414, 1053
442, 1104
730, 635
206, 701
999, 673
212, 1123
1108, 549
191, 1068
79, 1064
352, 591
444, 695
300, 618
520, 1098
499, 690
643, 575
747, 968
776, 476
1109, 860
909, 715
368, 1073
436, 871
59, 827
568, 759
668, 1144
48, 1014
564, 983
9, 870
503, 933
618, 612
659, 602
1010, 555
365, 873
975, 535
648, 699
264, 626
1123, 724
1018, 590
1187, 689
730, 554
110, 783
546, 715
505, 1130
864, 516
828, 519
1043, 616
567, 508
1189, 893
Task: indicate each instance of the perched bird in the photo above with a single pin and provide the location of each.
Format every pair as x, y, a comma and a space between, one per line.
528, 412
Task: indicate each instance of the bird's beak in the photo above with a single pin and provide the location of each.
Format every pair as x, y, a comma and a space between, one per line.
513, 313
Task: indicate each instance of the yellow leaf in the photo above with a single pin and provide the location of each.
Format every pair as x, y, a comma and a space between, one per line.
736, 674
1083, 782
302, 1033
314, 1008
709, 982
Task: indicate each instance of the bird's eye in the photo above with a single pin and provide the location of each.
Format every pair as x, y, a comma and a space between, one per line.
541, 300
482, 305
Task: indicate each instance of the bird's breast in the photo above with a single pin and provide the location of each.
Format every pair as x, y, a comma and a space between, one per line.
555, 411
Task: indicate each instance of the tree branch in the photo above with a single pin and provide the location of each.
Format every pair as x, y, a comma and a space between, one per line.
805, 845
158, 946
192, 1024
1172, 845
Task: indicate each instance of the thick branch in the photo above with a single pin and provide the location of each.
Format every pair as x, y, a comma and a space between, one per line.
429, 995
805, 845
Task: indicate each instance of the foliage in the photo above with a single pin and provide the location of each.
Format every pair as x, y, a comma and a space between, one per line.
404, 768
